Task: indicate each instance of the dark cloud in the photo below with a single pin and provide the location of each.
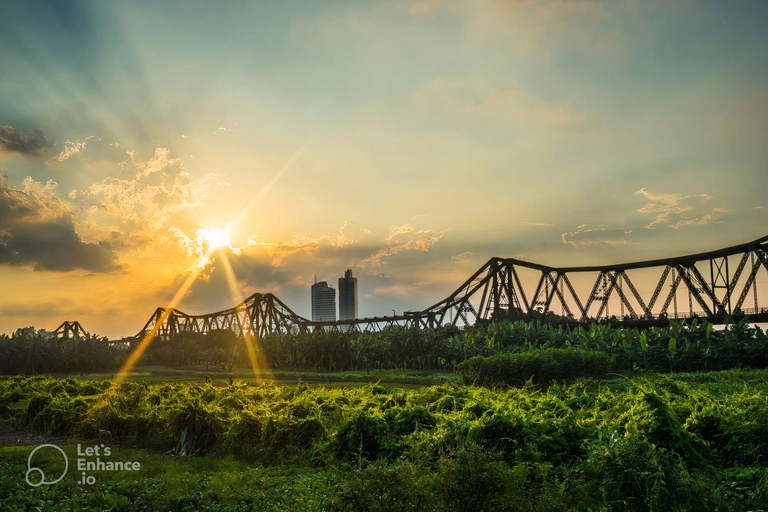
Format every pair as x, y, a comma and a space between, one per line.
54, 245
38, 229
11, 139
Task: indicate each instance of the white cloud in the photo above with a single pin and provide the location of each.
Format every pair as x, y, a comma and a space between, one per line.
405, 238
585, 236
349, 233
677, 210
144, 205
71, 148
465, 256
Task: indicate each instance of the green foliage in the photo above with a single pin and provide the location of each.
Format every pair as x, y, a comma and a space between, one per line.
541, 367
363, 436
471, 480
634, 474
29, 352
679, 347
652, 442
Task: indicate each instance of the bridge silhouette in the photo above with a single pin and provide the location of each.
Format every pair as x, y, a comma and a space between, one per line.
718, 285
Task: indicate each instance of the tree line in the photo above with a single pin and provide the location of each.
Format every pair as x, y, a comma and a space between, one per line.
680, 347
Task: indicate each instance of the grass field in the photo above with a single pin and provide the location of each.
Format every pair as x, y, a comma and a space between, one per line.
198, 374
653, 442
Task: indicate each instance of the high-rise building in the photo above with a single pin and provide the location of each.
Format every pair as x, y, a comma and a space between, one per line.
347, 296
323, 303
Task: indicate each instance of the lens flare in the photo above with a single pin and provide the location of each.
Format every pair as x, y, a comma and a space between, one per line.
215, 237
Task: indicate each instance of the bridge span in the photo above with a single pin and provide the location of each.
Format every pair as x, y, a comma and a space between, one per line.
711, 285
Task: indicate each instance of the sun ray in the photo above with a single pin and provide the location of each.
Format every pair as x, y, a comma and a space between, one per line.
258, 362
216, 242
136, 354
255, 199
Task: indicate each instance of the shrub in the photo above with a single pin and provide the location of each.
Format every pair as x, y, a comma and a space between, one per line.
363, 436
470, 479
541, 367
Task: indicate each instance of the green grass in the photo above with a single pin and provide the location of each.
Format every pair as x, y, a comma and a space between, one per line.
164, 483
693, 441
198, 374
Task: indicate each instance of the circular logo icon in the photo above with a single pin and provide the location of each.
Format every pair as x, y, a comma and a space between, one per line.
31, 469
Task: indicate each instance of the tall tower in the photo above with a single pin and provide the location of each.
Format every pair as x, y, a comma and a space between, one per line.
348, 296
323, 303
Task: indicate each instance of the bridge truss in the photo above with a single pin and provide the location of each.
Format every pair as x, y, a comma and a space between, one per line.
70, 330
710, 285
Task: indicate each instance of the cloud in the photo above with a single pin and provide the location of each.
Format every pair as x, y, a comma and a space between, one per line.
465, 256
71, 148
404, 238
677, 210
253, 272
585, 236
11, 139
38, 228
145, 205
671, 210
284, 267
348, 234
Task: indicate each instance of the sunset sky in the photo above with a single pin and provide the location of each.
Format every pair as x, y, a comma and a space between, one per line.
408, 140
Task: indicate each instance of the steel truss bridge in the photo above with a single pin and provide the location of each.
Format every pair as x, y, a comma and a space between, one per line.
712, 285
69, 330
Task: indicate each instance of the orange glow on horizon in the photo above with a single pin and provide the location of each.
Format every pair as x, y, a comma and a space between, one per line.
214, 238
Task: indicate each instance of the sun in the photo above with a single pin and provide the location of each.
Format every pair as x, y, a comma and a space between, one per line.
215, 238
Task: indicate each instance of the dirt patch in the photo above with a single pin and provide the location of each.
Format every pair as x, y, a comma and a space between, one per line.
23, 438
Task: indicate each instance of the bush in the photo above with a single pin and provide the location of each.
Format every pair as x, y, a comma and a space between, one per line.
363, 436
541, 367
471, 479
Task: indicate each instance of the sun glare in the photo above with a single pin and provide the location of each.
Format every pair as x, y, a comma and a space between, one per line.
215, 238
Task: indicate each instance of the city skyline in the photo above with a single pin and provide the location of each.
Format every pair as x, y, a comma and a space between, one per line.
192, 154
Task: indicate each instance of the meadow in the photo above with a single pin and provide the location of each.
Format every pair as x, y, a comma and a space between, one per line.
653, 442
533, 418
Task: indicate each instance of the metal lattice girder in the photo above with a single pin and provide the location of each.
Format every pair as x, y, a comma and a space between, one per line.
673, 290
761, 261
638, 298
499, 287
69, 330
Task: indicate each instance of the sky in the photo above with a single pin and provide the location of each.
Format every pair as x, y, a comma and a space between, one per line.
408, 140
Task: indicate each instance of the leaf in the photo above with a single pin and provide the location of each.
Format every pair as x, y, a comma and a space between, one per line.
672, 346
644, 342
709, 331
730, 339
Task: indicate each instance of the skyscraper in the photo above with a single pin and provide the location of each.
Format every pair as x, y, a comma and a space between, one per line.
323, 302
347, 296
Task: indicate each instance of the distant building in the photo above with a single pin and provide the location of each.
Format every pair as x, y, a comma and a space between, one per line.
323, 303
348, 296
